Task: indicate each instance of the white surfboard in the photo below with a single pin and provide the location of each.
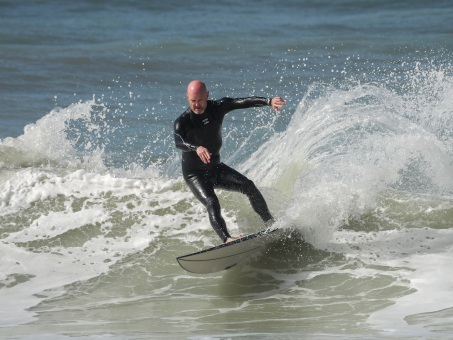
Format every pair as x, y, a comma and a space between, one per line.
227, 255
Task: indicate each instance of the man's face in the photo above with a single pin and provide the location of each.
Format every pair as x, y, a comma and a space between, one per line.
198, 100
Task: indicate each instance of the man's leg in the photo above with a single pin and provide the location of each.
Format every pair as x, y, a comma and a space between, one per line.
203, 190
230, 179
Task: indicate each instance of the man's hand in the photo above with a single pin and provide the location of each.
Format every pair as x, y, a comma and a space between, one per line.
204, 154
277, 103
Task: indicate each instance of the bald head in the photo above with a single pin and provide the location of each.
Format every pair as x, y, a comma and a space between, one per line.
196, 86
197, 95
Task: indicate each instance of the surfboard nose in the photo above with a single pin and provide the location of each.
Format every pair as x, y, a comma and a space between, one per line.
227, 255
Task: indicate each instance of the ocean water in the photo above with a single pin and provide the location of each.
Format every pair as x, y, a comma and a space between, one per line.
358, 167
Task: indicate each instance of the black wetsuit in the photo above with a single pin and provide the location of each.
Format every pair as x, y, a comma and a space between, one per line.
193, 130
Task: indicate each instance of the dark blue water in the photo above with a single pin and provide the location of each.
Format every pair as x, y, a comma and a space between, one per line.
93, 210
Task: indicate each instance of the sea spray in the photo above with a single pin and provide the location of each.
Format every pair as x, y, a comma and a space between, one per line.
54, 139
346, 146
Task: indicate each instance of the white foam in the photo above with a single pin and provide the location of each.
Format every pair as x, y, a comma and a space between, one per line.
431, 278
33, 267
419, 258
56, 223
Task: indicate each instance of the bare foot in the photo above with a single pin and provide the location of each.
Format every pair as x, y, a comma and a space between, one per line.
269, 223
230, 239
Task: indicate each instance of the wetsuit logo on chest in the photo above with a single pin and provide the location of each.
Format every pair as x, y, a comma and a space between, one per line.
205, 121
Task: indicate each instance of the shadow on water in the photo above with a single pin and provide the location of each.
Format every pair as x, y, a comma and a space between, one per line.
276, 268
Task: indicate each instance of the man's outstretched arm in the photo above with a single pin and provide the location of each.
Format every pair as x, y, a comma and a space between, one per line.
243, 103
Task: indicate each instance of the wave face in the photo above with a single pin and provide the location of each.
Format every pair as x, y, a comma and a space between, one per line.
357, 167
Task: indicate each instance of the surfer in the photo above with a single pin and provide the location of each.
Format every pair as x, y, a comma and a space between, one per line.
198, 133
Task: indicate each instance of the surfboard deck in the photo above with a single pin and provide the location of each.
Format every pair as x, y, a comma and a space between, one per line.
227, 255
